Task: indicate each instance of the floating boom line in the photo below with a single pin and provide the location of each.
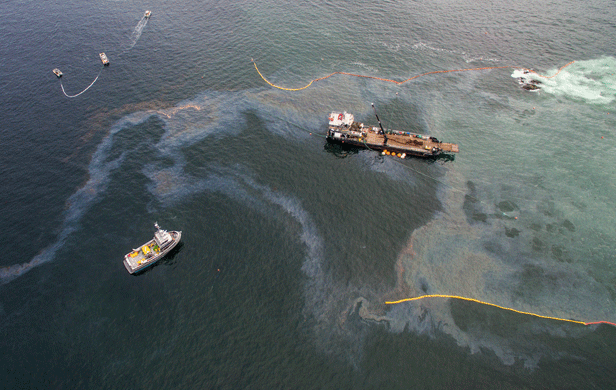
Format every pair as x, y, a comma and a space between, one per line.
498, 306
409, 79
88, 87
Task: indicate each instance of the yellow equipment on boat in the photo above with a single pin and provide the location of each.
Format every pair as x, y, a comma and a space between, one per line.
145, 249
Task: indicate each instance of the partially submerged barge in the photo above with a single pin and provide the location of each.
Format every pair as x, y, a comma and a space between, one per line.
344, 130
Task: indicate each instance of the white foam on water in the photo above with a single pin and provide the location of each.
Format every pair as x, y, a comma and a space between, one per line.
521, 73
425, 46
135, 35
467, 57
470, 59
590, 81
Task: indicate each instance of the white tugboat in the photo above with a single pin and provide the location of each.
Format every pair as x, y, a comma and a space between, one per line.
147, 14
152, 251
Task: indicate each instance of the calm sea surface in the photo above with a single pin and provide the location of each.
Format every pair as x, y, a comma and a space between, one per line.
290, 247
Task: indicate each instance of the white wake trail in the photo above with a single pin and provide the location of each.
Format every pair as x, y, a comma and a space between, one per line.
136, 34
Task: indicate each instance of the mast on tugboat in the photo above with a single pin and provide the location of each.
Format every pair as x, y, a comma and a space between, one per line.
382, 131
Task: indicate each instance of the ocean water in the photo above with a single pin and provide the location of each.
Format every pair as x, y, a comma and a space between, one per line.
290, 246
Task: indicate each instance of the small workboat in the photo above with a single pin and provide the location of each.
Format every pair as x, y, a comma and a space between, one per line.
104, 59
57, 72
152, 251
147, 14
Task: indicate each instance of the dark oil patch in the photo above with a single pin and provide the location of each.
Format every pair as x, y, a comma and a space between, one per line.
507, 206
569, 225
512, 233
538, 245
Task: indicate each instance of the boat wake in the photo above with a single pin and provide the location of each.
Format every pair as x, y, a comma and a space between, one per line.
136, 34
